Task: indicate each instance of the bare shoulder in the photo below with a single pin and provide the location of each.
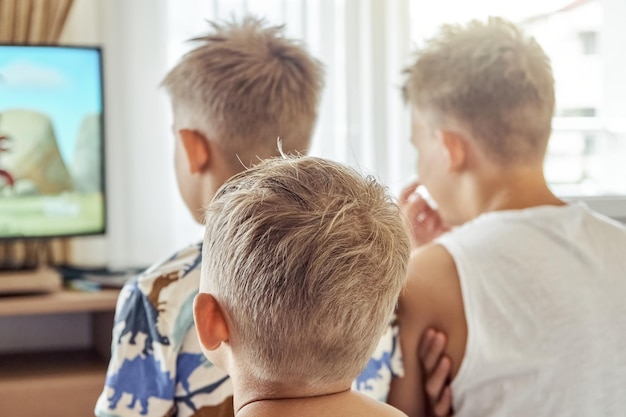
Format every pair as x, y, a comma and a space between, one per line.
361, 405
345, 404
432, 284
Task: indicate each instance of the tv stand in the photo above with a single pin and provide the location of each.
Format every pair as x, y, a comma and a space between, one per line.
56, 383
36, 281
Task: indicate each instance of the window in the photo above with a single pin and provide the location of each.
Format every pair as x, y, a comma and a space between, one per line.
589, 42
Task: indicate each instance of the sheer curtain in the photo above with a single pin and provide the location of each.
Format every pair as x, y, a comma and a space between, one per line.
364, 45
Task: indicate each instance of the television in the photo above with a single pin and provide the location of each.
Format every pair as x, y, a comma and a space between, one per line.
51, 142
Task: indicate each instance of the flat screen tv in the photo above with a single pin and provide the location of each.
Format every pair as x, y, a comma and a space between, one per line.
51, 142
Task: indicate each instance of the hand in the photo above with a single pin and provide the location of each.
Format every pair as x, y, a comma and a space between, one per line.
425, 223
437, 368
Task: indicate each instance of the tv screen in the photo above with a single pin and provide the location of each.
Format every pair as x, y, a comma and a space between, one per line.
51, 142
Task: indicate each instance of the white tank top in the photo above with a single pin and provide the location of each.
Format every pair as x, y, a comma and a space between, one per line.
544, 291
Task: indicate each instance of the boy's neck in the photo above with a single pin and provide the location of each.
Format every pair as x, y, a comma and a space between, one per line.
346, 403
254, 398
284, 406
512, 189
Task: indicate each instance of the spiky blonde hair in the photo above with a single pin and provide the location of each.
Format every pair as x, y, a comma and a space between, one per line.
307, 258
244, 86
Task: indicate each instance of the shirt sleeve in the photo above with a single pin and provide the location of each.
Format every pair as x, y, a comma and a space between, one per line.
141, 375
157, 367
202, 389
385, 364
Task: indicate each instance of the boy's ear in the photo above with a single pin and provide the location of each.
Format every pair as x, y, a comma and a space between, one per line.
455, 147
196, 148
210, 321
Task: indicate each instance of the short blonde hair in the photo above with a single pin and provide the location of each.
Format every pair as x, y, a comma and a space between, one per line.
307, 257
246, 85
493, 80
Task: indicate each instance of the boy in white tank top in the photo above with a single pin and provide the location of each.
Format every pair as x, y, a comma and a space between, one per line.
528, 290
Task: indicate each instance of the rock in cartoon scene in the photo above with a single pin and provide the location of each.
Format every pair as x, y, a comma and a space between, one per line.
50, 142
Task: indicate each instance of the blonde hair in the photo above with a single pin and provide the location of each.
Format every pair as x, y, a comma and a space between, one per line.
246, 85
307, 258
493, 80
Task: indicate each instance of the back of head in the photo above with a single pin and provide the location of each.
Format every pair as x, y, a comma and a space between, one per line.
490, 79
307, 258
244, 86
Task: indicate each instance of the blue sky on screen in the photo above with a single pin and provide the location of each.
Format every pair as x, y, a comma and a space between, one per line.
63, 83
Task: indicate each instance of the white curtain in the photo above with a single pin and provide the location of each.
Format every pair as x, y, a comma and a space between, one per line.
31, 21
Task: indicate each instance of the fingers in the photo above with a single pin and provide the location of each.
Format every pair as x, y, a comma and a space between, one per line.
416, 209
407, 191
431, 350
424, 222
437, 368
443, 408
422, 219
436, 383
428, 218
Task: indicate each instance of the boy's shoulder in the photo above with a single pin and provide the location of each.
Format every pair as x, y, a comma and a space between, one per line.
175, 278
184, 261
361, 405
162, 296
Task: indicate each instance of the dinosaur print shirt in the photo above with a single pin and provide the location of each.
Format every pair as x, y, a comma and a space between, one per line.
157, 367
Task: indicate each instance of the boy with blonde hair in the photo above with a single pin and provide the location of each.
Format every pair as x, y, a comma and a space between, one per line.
303, 262
526, 287
232, 96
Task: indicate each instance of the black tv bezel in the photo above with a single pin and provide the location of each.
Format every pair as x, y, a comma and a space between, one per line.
103, 231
